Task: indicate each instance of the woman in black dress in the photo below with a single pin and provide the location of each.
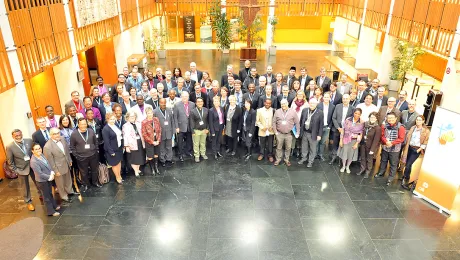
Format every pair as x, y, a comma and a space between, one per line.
113, 145
134, 142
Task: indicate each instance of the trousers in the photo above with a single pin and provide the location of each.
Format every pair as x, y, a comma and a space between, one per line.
393, 158
48, 199
286, 141
412, 156
266, 145
64, 185
92, 163
367, 160
24, 179
166, 153
199, 143
308, 147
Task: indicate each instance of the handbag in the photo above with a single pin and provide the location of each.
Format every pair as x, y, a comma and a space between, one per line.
103, 175
8, 172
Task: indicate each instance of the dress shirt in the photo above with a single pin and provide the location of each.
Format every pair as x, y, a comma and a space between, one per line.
321, 81
415, 140
128, 106
239, 97
333, 94
53, 122
102, 90
399, 104
379, 102
221, 116
194, 76
108, 108
325, 113
303, 82
59, 144
187, 111
360, 93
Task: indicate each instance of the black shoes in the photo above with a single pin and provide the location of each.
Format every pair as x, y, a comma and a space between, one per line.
247, 157
228, 150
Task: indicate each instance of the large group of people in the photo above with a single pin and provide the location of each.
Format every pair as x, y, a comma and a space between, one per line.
139, 123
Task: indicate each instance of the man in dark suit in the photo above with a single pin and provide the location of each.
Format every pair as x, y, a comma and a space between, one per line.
168, 127
269, 75
385, 110
215, 91
336, 97
323, 81
230, 84
121, 81
189, 84
197, 93
311, 130
182, 112
42, 135
168, 83
402, 103
252, 95
380, 100
285, 95
127, 104
195, 74
277, 86
268, 95
154, 99
18, 155
304, 78
244, 72
362, 93
290, 78
328, 109
253, 77
341, 112
224, 78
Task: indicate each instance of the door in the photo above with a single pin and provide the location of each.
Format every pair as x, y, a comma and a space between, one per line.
2, 157
106, 64
42, 91
173, 29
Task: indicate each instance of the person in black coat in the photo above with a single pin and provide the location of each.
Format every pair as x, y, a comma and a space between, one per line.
113, 146
216, 119
252, 95
233, 126
249, 127
328, 110
197, 93
285, 95
42, 135
96, 125
323, 81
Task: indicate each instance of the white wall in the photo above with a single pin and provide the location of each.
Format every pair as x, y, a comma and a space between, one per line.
449, 87
340, 30
14, 106
388, 53
65, 75
127, 43
366, 48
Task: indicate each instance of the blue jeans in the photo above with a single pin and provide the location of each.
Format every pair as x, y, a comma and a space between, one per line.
322, 142
412, 156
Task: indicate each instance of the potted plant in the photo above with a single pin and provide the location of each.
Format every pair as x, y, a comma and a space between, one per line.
221, 26
403, 63
150, 47
160, 38
273, 21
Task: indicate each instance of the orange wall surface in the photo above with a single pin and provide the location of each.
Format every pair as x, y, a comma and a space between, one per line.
84, 67
2, 157
107, 66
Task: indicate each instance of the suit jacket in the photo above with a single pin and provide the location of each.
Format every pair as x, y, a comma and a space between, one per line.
307, 80
309, 94
337, 98
346, 87
363, 96
338, 114
130, 137
290, 98
110, 140
326, 83
254, 97
270, 80
330, 112
189, 86
404, 106
243, 73
354, 103
39, 138
140, 116
199, 75
179, 92
104, 111
71, 104
316, 122
167, 88
153, 104
167, 131
211, 95
285, 79
125, 109
250, 123
73, 124
264, 120
384, 101
203, 95
59, 161
15, 156
96, 102
181, 118
236, 121
224, 79
383, 114
153, 83
195, 119
97, 130
250, 80
42, 171
275, 90
273, 98
213, 118
117, 98
407, 121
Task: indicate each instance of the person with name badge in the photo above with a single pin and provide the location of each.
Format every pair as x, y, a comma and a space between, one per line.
199, 127
151, 132
134, 142
311, 131
264, 120
249, 127
233, 126
113, 145
166, 118
216, 126
284, 121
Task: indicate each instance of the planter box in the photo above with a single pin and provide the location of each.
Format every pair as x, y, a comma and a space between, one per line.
248, 53
272, 50
152, 55
161, 54
394, 85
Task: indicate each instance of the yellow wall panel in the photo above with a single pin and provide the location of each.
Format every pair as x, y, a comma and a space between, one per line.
308, 32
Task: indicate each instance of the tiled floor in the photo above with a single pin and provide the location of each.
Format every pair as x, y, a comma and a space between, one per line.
235, 210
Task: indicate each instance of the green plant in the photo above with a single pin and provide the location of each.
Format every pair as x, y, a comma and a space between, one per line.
150, 45
159, 36
254, 30
220, 25
405, 61
273, 21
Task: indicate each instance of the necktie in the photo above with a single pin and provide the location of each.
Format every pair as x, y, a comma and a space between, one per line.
237, 98
75, 122
46, 135
332, 98
359, 96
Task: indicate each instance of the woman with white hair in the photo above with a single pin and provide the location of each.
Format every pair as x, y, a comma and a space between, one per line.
134, 142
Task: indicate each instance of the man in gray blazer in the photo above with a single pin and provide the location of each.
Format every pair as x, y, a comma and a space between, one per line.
18, 155
182, 111
168, 126
58, 155
344, 87
408, 116
341, 112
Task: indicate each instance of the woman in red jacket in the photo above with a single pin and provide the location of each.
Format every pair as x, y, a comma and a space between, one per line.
151, 132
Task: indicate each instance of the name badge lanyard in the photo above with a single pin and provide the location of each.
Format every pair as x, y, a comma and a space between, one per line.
86, 140
23, 148
200, 115
98, 100
251, 96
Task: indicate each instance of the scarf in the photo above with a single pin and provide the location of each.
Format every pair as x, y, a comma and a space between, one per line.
299, 104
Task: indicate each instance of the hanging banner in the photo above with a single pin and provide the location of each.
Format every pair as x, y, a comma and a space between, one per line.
439, 180
189, 28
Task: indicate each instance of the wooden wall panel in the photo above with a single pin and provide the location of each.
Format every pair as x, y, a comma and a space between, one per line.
2, 157
432, 65
377, 14
128, 13
351, 10
148, 9
88, 36
6, 76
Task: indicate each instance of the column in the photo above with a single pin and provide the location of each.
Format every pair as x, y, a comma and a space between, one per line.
340, 31
388, 51
269, 36
451, 80
366, 47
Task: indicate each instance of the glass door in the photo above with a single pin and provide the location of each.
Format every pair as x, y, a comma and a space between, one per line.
173, 29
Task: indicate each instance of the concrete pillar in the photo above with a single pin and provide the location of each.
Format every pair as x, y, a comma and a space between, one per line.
269, 36
451, 80
340, 31
366, 46
388, 51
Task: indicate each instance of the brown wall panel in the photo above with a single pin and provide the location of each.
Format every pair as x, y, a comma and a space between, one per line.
432, 65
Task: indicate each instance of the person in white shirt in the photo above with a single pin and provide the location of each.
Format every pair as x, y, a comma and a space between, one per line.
172, 99
367, 108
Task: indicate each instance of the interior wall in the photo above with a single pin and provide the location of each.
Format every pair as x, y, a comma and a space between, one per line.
83, 65
107, 65
2, 157
302, 29
14, 104
65, 75
129, 42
